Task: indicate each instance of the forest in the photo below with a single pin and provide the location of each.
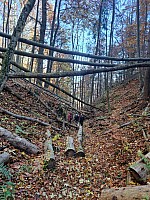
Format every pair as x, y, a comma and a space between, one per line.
74, 99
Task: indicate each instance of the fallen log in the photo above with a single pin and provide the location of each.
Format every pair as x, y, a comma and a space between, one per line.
80, 134
49, 156
13, 93
126, 193
28, 118
23, 117
141, 169
4, 157
80, 152
18, 142
70, 150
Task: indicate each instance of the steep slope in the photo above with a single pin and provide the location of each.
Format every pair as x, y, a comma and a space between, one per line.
111, 142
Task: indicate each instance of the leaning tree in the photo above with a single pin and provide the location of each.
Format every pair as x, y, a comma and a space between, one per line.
13, 42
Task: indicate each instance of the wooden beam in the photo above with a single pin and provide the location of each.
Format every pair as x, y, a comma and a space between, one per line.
75, 73
66, 60
126, 193
52, 85
73, 52
18, 142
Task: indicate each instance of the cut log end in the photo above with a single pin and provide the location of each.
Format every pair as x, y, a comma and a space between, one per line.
80, 154
49, 152
70, 153
70, 150
51, 164
139, 172
4, 158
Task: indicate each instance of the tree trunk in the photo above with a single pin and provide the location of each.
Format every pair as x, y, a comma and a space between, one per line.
8, 16
138, 43
141, 170
13, 42
42, 36
146, 94
53, 37
126, 193
34, 36
18, 142
138, 28
97, 49
3, 40
70, 150
76, 73
76, 52
80, 152
49, 152
80, 134
23, 117
112, 31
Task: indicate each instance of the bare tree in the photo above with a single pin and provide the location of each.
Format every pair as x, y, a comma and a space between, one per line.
147, 75
35, 31
42, 36
13, 41
97, 48
53, 34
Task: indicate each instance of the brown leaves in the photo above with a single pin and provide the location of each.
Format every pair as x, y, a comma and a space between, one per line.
109, 150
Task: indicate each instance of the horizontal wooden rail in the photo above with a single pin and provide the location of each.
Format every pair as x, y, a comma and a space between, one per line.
66, 60
75, 73
52, 85
73, 52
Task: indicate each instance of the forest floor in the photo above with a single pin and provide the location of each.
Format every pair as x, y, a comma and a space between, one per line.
111, 143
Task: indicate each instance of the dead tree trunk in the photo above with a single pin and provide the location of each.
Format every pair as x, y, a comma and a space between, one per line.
4, 157
70, 150
80, 134
18, 142
23, 117
126, 193
80, 152
49, 152
141, 169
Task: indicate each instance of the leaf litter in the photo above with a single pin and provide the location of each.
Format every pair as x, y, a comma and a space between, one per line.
109, 148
